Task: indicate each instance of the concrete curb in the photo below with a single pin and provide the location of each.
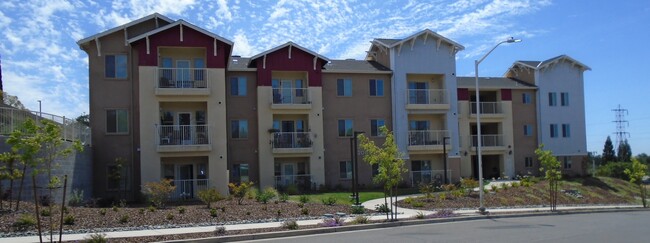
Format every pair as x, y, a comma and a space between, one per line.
292, 233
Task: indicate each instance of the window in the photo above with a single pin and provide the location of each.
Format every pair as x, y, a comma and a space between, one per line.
567, 162
113, 183
528, 162
238, 86
239, 129
375, 169
240, 173
344, 87
564, 99
345, 128
375, 124
528, 130
566, 130
554, 130
199, 71
376, 87
117, 121
345, 170
552, 99
115, 66
526, 99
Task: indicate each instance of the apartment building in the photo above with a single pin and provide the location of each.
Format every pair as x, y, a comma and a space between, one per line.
169, 98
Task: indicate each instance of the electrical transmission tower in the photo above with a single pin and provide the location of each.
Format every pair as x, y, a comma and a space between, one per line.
621, 124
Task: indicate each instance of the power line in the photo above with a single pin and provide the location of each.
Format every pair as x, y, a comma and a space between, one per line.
621, 124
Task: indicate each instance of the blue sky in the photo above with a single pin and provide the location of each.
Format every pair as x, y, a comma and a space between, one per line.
41, 61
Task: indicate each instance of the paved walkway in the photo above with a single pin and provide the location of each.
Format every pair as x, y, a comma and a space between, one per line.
403, 213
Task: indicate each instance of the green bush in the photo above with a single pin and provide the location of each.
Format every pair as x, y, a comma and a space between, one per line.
283, 197
615, 169
213, 212
457, 193
76, 197
209, 196
329, 200
124, 219
290, 225
304, 211
68, 219
240, 190
102, 211
292, 189
382, 208
419, 204
24, 222
220, 230
360, 220
141, 211
419, 215
469, 184
303, 199
357, 209
408, 200
448, 187
494, 187
181, 210
427, 190
442, 196
268, 194
170, 216
96, 238
46, 213
159, 192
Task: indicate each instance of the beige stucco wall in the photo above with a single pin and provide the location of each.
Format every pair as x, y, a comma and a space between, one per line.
215, 118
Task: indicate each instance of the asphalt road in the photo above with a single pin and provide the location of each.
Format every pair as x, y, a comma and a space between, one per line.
595, 227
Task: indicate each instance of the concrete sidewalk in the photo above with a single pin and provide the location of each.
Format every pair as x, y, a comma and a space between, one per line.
403, 213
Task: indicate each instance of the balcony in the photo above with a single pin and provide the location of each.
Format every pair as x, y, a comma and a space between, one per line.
302, 181
291, 98
489, 142
291, 143
427, 99
182, 81
427, 141
182, 138
488, 109
428, 176
188, 189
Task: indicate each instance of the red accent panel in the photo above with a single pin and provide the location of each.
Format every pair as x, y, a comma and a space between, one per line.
279, 61
463, 94
506, 94
191, 38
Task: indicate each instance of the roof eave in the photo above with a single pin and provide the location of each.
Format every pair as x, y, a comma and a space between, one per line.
290, 43
126, 25
182, 22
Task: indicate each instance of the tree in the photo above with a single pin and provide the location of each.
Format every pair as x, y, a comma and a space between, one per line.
115, 175
8, 171
390, 164
84, 119
553, 174
624, 152
11, 100
608, 151
636, 175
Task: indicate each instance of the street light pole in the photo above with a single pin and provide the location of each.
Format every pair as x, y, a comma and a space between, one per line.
444, 156
356, 168
481, 209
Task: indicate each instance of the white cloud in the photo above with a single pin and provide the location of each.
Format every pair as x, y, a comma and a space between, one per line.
242, 46
4, 20
224, 11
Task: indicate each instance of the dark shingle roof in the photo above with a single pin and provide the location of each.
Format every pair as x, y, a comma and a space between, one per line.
237, 62
493, 82
355, 65
388, 42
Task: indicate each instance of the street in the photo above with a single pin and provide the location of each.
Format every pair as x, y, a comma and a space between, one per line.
595, 227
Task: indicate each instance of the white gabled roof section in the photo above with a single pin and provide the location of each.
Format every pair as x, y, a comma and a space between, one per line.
427, 32
123, 27
290, 45
563, 58
181, 23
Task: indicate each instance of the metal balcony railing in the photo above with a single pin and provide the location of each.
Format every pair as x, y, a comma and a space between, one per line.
427, 137
426, 96
182, 134
486, 107
188, 189
291, 140
290, 96
182, 78
428, 176
71, 130
301, 180
488, 140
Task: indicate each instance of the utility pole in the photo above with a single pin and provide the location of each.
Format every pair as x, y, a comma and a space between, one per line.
621, 124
